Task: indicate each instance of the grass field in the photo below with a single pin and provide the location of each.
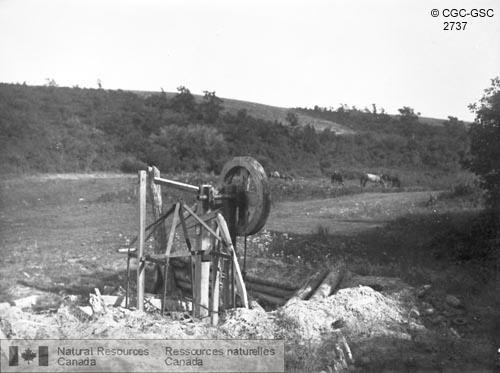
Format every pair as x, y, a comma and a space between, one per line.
60, 233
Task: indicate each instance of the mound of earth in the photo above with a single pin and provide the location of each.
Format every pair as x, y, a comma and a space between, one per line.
357, 327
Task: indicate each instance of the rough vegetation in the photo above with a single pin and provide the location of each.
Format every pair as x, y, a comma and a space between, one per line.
55, 129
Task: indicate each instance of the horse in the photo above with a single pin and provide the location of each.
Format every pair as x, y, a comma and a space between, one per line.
392, 180
365, 178
275, 174
336, 177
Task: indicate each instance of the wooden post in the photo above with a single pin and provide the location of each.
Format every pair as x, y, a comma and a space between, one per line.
226, 291
168, 250
201, 270
236, 272
160, 234
214, 300
141, 241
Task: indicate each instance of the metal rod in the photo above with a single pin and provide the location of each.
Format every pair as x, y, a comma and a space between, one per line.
177, 185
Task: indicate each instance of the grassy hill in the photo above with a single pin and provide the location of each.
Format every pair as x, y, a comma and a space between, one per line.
267, 113
59, 129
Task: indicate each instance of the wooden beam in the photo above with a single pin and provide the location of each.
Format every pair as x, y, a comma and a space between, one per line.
240, 284
201, 268
168, 249
177, 185
142, 235
160, 234
214, 300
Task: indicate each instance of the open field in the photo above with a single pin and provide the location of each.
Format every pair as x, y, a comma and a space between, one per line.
60, 233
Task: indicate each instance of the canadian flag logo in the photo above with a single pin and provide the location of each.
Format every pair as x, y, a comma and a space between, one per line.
29, 356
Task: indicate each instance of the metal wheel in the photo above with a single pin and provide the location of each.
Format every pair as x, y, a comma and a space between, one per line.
253, 200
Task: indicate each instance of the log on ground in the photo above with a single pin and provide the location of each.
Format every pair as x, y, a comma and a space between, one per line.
310, 285
329, 283
267, 289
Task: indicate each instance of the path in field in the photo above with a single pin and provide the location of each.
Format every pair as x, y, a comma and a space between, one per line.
347, 214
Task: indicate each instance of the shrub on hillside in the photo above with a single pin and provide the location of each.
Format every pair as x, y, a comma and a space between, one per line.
485, 137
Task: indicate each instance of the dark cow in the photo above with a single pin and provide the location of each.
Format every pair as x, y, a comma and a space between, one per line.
391, 180
336, 177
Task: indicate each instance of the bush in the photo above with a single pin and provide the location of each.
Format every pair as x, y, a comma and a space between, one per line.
468, 239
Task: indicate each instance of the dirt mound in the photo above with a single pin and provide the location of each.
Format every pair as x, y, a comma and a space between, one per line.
248, 323
318, 334
359, 311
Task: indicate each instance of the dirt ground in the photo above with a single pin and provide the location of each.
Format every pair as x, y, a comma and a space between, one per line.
59, 235
346, 214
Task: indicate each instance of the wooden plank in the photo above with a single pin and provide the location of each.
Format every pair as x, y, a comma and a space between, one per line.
141, 241
329, 283
240, 284
171, 235
310, 285
160, 233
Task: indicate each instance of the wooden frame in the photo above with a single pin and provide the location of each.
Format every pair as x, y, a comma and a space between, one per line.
213, 244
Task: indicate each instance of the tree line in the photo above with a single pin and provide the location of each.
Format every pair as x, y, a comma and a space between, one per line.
49, 129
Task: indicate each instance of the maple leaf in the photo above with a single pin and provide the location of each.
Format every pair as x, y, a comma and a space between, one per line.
28, 355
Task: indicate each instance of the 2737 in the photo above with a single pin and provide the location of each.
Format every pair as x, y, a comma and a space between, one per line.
449, 26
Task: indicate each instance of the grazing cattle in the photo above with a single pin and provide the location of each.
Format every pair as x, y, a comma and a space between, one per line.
431, 201
365, 178
277, 175
392, 180
336, 177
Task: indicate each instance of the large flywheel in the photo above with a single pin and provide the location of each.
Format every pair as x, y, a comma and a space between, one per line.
247, 178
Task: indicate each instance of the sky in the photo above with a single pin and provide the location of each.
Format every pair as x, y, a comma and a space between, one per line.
285, 53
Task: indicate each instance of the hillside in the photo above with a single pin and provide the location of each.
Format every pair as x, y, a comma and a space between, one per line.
58, 129
267, 113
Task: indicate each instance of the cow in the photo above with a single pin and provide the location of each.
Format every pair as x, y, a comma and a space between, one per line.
392, 180
336, 177
373, 178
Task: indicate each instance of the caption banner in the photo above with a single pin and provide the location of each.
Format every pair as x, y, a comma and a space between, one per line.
141, 355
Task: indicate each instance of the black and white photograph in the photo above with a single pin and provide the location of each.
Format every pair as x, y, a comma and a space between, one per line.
249, 186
